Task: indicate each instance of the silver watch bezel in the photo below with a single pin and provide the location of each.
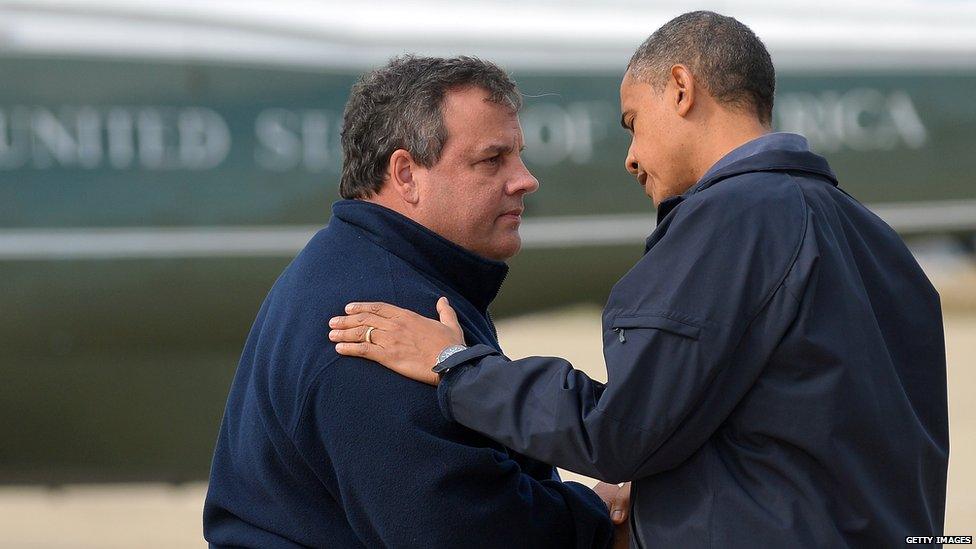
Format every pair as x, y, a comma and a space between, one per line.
448, 352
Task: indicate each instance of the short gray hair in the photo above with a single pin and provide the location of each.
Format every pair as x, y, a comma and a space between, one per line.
724, 55
398, 106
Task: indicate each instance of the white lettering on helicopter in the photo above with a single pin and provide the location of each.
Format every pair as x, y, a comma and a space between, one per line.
861, 119
145, 137
156, 138
556, 133
303, 139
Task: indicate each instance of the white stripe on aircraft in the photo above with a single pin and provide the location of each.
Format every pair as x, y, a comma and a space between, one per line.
286, 240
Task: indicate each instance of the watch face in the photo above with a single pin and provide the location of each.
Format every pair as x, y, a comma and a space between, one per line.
449, 351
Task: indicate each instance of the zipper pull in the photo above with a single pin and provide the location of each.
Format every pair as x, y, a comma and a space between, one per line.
620, 333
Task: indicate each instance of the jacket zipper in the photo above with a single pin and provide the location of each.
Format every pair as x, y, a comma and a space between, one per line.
491, 324
491, 321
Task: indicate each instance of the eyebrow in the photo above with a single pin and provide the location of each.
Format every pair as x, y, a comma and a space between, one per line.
496, 148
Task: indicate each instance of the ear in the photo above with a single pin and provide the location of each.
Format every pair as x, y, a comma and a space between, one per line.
685, 89
400, 175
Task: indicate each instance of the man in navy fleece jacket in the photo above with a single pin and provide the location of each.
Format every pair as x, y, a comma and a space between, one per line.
317, 449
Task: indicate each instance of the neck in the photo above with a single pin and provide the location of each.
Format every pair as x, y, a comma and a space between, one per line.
393, 201
725, 135
389, 198
471, 276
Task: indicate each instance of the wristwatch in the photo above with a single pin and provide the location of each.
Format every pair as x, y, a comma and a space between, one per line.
440, 368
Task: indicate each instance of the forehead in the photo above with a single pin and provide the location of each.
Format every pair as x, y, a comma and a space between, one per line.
471, 104
468, 111
629, 88
637, 95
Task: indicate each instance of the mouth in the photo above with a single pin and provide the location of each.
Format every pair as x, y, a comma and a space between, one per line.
642, 179
513, 215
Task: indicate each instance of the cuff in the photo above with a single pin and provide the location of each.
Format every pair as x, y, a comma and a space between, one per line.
457, 364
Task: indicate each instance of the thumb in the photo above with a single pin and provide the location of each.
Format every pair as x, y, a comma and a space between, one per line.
621, 505
448, 317
618, 515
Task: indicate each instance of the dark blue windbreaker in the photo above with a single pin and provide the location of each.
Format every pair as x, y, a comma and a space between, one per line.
316, 449
776, 373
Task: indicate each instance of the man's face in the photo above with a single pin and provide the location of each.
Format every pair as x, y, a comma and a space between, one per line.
473, 194
658, 156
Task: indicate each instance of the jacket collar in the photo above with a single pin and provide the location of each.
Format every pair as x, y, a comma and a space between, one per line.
767, 161
477, 279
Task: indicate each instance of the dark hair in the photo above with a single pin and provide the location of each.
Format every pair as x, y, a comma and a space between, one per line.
398, 106
724, 55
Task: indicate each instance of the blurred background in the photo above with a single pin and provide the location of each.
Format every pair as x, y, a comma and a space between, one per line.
161, 162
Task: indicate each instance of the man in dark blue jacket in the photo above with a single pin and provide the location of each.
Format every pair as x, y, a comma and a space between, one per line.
776, 359
317, 449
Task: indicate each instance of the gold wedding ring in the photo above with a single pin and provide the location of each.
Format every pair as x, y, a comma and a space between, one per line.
369, 332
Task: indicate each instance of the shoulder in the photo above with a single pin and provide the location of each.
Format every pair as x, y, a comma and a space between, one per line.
336, 261
328, 274
748, 203
761, 215
336, 267
759, 212
729, 243
289, 340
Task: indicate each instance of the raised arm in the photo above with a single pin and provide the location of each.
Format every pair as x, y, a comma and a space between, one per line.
542, 406
686, 334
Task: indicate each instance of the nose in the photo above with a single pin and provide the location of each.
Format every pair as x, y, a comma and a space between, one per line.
630, 163
524, 182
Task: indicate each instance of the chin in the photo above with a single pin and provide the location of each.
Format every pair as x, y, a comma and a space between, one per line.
649, 191
504, 248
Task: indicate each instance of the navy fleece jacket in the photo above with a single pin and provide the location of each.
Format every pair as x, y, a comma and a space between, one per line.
317, 449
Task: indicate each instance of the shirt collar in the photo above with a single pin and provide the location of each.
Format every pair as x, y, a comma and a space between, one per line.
476, 278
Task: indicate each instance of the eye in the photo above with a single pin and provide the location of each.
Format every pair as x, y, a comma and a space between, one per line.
493, 160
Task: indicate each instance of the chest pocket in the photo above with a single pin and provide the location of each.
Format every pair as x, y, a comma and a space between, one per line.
624, 322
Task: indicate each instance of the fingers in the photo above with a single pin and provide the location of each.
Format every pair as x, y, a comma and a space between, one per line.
401, 340
362, 349
620, 505
356, 335
448, 316
384, 310
359, 320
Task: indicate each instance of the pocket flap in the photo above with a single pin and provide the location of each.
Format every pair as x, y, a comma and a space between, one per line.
659, 322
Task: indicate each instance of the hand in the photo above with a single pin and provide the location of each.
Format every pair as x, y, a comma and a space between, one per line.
402, 340
617, 500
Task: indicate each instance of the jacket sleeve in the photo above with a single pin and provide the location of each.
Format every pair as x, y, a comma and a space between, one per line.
407, 477
686, 333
